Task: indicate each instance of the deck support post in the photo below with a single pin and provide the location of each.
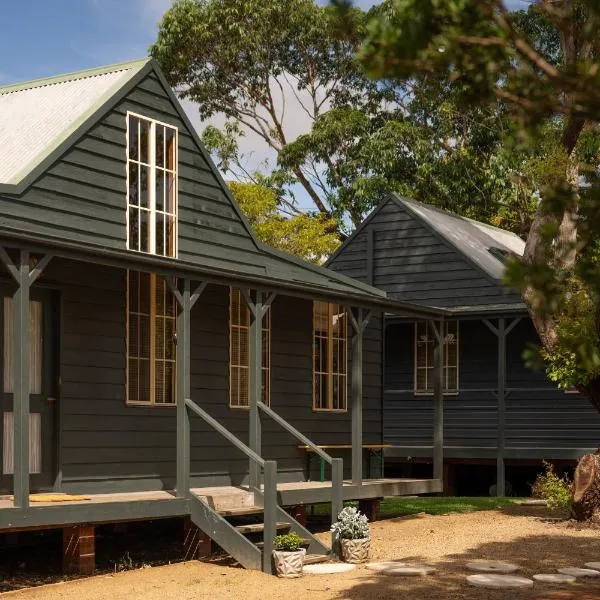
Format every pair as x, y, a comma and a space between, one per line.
438, 399
79, 554
196, 544
186, 300
25, 272
359, 321
371, 508
501, 332
258, 306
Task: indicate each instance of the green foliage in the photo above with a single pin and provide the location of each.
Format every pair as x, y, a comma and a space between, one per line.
290, 542
538, 72
554, 489
312, 237
351, 524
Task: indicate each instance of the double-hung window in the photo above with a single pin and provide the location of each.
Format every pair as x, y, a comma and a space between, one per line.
151, 186
151, 325
330, 353
239, 352
424, 361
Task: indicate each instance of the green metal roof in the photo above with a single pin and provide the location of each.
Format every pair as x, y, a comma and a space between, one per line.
37, 116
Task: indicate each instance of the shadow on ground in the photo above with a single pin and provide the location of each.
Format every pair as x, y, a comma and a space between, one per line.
534, 553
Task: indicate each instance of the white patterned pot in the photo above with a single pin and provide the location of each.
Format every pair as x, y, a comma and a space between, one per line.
356, 551
289, 564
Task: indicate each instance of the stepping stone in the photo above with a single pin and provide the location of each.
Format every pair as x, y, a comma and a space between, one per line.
593, 565
499, 582
576, 572
555, 578
400, 568
492, 566
328, 568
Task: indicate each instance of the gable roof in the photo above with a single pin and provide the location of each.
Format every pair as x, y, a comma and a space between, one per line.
473, 239
36, 116
40, 120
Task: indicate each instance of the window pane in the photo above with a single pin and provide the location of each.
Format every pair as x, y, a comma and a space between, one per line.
134, 229
170, 193
160, 146
144, 245
170, 145
144, 185
144, 141
133, 138
160, 234
160, 190
133, 183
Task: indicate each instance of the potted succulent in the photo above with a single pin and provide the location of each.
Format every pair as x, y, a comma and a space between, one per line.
352, 530
288, 555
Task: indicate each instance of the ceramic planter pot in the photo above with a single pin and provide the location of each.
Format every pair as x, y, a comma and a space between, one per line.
356, 551
289, 564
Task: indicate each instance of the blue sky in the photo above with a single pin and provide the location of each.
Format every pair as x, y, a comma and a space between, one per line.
47, 37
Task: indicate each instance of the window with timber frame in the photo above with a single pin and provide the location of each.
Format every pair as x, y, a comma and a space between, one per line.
151, 326
151, 186
424, 360
330, 357
239, 352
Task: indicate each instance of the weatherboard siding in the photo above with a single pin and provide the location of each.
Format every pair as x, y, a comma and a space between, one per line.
106, 445
413, 264
81, 198
540, 417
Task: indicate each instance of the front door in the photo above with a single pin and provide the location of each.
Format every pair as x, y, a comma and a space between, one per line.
43, 383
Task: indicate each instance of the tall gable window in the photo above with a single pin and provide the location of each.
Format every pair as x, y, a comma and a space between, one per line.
330, 368
239, 352
151, 323
151, 186
424, 362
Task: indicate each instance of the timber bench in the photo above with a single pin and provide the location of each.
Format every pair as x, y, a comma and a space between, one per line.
374, 450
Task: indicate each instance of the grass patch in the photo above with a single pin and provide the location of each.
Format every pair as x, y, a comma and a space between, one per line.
432, 505
439, 505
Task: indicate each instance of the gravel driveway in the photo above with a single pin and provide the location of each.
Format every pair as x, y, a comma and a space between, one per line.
521, 535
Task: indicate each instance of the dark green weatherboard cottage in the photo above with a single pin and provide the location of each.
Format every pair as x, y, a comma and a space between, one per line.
501, 419
156, 357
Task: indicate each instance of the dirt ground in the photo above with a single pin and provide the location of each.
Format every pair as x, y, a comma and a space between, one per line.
522, 535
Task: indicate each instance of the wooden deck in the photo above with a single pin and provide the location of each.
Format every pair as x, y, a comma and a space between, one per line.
132, 506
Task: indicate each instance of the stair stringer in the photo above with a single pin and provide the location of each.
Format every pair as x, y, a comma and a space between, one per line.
224, 534
315, 547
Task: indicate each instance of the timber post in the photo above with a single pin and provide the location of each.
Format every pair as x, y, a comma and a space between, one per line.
258, 307
25, 275
438, 399
359, 324
186, 300
501, 332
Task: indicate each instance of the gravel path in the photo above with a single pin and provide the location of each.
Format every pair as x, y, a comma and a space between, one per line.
522, 535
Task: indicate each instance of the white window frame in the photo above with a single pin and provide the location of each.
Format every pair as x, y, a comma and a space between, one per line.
266, 362
330, 374
152, 167
429, 365
151, 402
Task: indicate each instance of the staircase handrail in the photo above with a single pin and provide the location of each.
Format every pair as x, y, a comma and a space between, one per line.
269, 494
337, 464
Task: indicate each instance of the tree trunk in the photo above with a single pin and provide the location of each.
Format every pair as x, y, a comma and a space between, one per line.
586, 488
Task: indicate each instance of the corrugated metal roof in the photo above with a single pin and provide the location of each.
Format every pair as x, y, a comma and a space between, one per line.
472, 238
35, 117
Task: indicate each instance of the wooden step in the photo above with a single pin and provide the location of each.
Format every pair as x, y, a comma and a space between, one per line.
313, 559
241, 511
259, 527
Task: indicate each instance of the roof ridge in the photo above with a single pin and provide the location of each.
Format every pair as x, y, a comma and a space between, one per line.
471, 222
73, 76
